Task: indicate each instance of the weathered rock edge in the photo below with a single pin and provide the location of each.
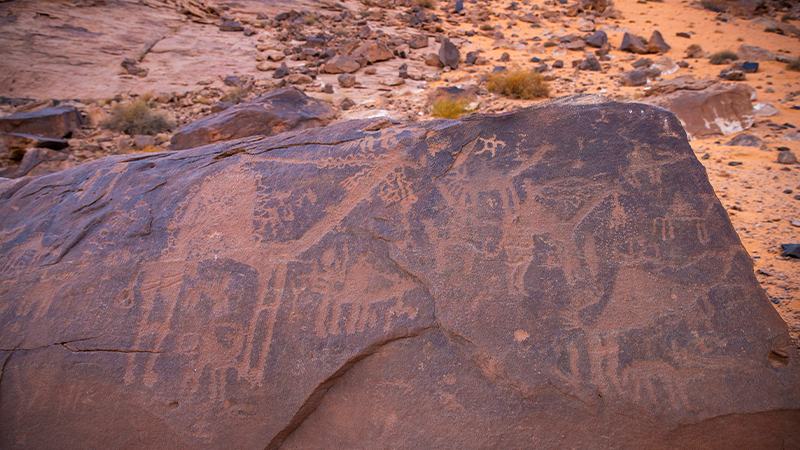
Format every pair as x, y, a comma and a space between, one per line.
558, 276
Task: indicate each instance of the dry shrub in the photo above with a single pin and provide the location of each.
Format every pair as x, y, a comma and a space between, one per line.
794, 65
519, 84
136, 117
449, 107
235, 95
723, 57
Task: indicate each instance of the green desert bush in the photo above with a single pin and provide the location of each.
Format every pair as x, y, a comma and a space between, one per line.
723, 57
519, 84
447, 107
136, 117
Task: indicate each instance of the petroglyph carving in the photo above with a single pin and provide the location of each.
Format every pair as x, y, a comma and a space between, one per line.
350, 283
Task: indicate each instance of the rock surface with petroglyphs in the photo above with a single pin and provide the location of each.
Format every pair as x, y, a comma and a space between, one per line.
560, 276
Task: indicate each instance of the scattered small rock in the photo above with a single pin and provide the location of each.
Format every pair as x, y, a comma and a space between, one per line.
637, 77
694, 51
790, 250
132, 67
746, 66
745, 140
633, 44
230, 25
449, 55
786, 157
590, 63
732, 74
346, 80
281, 71
432, 59
341, 64
346, 104
598, 39
657, 44
418, 41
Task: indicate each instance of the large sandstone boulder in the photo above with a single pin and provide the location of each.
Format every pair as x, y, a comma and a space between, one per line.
561, 276
719, 109
278, 111
341, 64
53, 122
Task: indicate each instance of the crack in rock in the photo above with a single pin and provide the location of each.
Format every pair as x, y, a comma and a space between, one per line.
314, 399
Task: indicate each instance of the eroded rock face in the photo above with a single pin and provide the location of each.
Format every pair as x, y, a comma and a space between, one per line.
719, 109
52, 122
278, 111
562, 276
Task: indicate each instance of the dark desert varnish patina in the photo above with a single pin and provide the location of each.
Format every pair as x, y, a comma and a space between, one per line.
560, 276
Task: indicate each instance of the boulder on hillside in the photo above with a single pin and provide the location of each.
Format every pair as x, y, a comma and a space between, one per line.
371, 52
755, 53
718, 109
657, 44
53, 122
341, 64
562, 275
683, 82
418, 41
278, 111
449, 55
634, 44
598, 39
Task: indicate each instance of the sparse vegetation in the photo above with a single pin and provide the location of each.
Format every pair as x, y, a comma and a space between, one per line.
519, 84
794, 65
310, 19
723, 57
136, 117
235, 95
449, 107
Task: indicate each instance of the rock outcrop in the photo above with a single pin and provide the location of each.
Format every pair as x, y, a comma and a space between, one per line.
449, 55
52, 122
561, 276
278, 111
719, 109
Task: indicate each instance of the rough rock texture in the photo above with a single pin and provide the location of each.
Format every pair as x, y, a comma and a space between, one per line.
52, 122
597, 39
562, 276
718, 109
38, 161
341, 64
280, 110
634, 44
372, 51
449, 55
